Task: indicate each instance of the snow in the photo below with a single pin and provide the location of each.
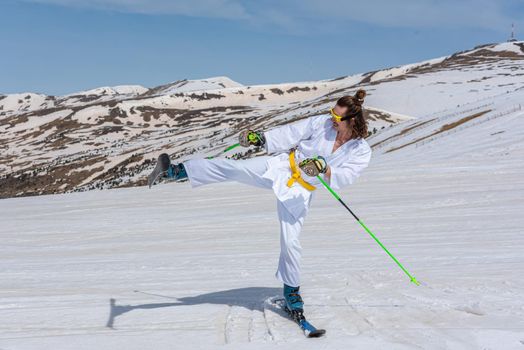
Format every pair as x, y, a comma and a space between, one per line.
400, 70
90, 114
14, 103
112, 90
176, 268
213, 83
34, 122
507, 46
447, 90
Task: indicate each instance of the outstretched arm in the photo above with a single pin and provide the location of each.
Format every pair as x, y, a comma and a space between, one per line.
283, 138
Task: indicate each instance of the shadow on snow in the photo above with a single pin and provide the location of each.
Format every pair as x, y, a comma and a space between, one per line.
251, 298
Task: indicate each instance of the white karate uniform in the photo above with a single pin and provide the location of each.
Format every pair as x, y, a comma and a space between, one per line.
312, 137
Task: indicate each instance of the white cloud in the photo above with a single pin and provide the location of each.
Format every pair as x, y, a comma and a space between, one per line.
311, 15
412, 13
228, 9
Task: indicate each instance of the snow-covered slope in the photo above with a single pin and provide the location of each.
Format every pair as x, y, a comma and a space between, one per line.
109, 137
12, 104
215, 83
113, 90
176, 268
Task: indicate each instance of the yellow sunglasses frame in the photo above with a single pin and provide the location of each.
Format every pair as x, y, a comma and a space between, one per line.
335, 116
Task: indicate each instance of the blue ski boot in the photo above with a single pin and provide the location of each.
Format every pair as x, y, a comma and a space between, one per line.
293, 299
176, 172
293, 305
164, 169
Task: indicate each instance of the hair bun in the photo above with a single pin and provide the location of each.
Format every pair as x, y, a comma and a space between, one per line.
359, 97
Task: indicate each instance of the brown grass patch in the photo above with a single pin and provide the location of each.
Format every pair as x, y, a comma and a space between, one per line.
402, 132
443, 128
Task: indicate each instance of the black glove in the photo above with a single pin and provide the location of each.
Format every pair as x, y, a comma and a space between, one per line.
313, 166
251, 138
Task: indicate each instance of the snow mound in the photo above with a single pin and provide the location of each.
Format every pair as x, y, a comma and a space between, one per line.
182, 86
112, 90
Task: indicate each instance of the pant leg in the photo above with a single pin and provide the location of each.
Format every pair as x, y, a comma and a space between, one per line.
202, 171
288, 271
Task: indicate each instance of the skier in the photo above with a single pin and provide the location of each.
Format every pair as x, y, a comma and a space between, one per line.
330, 145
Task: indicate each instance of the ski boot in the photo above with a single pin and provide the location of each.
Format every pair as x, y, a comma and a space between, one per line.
176, 172
294, 304
166, 170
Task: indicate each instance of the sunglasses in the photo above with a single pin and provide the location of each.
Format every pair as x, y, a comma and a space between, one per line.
336, 117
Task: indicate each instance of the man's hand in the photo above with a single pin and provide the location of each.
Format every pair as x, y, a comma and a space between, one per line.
251, 138
313, 166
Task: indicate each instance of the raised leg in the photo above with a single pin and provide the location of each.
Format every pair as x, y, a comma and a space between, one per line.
202, 171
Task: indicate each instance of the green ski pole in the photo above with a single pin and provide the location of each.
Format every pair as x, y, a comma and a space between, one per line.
252, 138
224, 151
412, 278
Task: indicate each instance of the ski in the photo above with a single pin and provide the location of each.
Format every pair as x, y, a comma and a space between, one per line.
162, 165
309, 330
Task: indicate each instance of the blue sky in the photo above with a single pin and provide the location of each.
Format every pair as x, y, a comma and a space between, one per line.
61, 46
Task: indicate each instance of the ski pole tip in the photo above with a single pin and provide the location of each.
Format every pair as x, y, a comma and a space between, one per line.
414, 280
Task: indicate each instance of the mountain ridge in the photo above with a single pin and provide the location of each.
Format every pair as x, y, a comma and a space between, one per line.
103, 138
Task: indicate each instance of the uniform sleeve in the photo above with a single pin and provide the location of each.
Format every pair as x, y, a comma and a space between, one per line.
351, 169
283, 138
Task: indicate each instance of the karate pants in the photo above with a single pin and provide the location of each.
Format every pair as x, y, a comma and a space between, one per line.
249, 171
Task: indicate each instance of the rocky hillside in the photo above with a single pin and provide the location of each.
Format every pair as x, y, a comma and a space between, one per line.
110, 136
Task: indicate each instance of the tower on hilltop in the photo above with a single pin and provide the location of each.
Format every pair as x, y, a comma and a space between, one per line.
512, 37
